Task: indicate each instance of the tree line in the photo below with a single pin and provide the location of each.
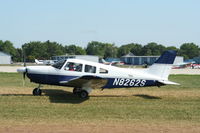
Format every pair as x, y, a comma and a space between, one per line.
45, 50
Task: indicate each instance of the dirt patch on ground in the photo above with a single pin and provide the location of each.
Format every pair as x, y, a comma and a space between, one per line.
103, 128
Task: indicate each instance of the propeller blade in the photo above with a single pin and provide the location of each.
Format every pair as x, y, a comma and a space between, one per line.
24, 61
24, 76
24, 57
23, 81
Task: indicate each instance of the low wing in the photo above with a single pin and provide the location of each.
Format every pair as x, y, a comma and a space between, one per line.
86, 81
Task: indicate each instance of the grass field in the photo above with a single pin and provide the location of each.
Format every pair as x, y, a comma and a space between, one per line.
168, 108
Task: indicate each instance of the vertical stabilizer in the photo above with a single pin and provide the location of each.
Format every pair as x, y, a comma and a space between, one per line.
163, 65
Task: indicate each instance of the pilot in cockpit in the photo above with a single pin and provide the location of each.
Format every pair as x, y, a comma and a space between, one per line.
70, 66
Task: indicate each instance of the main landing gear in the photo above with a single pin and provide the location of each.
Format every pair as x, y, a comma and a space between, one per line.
82, 92
37, 91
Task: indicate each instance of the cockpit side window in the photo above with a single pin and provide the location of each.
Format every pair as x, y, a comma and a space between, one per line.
59, 64
103, 71
90, 69
71, 66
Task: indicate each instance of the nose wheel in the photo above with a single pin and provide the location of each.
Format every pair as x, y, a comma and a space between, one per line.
37, 91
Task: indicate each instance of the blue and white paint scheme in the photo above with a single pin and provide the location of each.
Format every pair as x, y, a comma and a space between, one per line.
85, 75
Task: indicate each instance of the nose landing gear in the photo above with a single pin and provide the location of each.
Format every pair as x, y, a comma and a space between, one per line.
37, 91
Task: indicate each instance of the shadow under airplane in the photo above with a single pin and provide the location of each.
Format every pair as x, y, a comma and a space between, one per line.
61, 96
56, 96
147, 96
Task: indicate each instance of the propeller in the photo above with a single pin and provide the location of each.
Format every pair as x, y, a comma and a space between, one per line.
25, 69
24, 57
24, 76
24, 73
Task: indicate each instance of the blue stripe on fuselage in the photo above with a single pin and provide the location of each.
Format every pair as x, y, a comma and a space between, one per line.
49, 79
112, 82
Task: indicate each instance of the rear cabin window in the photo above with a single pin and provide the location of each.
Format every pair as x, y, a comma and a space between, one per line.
90, 69
71, 66
103, 71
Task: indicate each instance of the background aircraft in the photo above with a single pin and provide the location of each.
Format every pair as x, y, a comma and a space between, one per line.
85, 75
195, 66
181, 65
117, 63
44, 62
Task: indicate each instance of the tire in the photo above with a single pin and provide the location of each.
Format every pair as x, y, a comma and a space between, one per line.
83, 94
37, 92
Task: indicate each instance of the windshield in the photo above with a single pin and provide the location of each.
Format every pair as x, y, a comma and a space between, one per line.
59, 64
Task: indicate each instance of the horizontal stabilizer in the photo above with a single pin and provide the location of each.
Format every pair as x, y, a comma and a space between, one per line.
167, 82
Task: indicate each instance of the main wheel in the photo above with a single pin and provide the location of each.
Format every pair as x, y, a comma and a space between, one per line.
37, 92
83, 94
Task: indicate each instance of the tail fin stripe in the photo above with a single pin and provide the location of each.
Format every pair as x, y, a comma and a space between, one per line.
167, 57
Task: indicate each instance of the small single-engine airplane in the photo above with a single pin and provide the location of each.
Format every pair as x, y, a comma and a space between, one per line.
84, 76
44, 62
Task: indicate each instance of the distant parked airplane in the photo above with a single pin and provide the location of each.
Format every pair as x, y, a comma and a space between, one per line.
195, 66
111, 63
45, 62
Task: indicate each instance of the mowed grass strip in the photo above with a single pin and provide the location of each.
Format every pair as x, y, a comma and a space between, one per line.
133, 105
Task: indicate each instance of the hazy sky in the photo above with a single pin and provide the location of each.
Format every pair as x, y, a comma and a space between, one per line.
168, 22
